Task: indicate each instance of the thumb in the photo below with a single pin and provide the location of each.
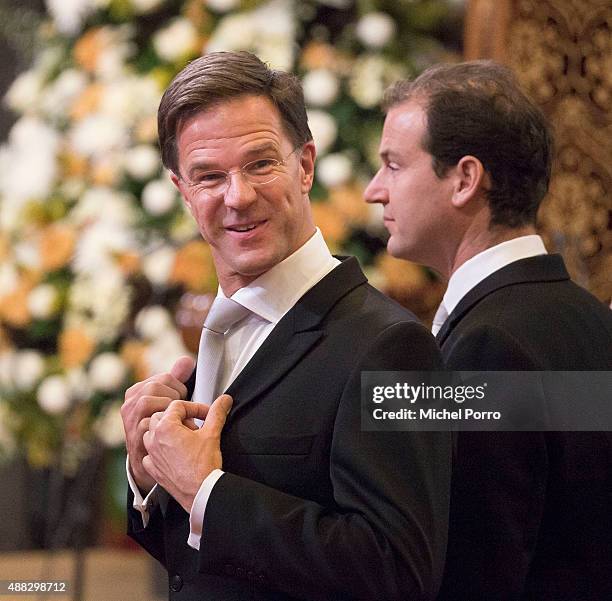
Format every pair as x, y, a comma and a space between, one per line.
217, 414
182, 368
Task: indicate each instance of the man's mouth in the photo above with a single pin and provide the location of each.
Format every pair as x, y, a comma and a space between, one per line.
244, 227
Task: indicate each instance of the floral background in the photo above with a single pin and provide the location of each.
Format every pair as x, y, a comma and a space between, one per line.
101, 268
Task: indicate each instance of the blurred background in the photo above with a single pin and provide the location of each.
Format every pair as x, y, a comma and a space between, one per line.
104, 278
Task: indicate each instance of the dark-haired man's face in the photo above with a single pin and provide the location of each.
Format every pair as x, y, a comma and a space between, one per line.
416, 203
250, 228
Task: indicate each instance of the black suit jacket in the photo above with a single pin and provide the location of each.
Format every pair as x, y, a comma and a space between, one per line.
531, 513
311, 507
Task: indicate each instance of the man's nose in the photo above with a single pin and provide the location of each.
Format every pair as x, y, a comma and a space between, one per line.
240, 192
375, 191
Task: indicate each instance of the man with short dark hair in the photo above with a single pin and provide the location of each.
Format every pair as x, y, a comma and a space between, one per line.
466, 161
280, 495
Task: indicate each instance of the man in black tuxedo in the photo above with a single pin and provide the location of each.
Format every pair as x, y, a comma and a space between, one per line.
280, 495
465, 163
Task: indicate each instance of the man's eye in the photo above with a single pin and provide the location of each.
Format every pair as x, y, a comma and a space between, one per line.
392, 166
262, 166
210, 177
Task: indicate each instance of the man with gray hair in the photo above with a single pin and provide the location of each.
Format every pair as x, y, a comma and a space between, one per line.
466, 161
279, 495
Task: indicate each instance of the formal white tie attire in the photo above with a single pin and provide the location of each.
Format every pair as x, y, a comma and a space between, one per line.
267, 298
223, 315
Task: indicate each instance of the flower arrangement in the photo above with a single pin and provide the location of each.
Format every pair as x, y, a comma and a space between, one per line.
96, 249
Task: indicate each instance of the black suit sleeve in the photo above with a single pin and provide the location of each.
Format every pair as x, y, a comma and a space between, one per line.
499, 486
385, 536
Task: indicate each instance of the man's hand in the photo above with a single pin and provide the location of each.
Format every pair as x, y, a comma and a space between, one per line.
144, 399
179, 457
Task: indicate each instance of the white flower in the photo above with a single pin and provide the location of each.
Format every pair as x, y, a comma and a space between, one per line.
107, 372
53, 395
99, 245
152, 322
158, 264
99, 303
176, 40
26, 254
25, 92
129, 98
28, 165
29, 368
375, 29
42, 301
159, 196
62, 92
109, 426
268, 31
323, 128
98, 134
367, 82
78, 381
164, 351
142, 162
104, 204
144, 6
334, 170
320, 87
222, 6
69, 15
9, 277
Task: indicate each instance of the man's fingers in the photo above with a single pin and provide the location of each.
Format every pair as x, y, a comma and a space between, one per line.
184, 410
217, 414
183, 368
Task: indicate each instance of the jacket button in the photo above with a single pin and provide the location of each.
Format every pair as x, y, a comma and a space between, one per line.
230, 570
176, 583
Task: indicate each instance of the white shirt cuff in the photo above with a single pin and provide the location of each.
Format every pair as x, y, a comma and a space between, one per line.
196, 517
140, 504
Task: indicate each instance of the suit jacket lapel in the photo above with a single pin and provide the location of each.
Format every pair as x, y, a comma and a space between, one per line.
293, 336
542, 268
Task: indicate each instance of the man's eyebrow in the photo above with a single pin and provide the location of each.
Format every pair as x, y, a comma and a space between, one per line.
204, 165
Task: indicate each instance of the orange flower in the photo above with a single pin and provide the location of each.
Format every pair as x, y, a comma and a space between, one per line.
402, 275
133, 353
104, 173
75, 347
74, 165
14, 306
56, 246
348, 201
87, 102
332, 224
89, 47
194, 268
129, 262
318, 55
146, 129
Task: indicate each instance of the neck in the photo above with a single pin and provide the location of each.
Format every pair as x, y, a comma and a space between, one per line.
477, 240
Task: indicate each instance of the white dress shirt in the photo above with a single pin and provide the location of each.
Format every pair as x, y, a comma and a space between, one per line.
487, 262
268, 298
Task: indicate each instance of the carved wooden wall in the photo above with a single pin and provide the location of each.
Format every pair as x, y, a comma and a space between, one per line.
561, 52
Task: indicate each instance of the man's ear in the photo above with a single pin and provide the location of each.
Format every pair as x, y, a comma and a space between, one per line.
178, 182
307, 161
470, 181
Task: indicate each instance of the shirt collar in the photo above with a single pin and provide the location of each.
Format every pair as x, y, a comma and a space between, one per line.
274, 292
482, 265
